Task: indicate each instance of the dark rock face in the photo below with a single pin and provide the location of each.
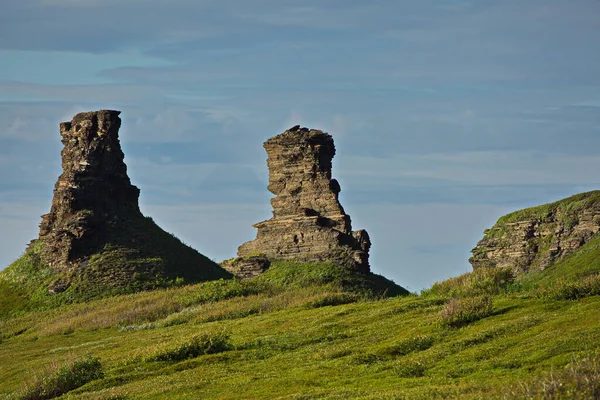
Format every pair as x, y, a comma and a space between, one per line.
536, 238
93, 188
309, 223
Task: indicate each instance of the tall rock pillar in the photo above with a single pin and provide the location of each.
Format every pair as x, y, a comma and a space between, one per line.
308, 223
92, 190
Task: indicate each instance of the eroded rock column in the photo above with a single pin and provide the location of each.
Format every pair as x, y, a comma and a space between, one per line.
93, 190
309, 223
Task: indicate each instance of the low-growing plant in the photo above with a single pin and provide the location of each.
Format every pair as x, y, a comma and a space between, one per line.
578, 380
410, 369
482, 281
563, 289
207, 343
459, 312
63, 379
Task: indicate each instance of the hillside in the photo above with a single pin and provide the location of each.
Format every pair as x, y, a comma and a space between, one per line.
138, 256
306, 331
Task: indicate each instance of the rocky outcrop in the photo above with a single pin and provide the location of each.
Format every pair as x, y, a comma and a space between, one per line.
95, 233
308, 223
93, 189
247, 267
535, 238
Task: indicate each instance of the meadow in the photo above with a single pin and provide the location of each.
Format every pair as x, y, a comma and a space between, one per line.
311, 331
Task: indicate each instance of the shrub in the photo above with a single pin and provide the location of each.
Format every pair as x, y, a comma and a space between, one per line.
208, 343
410, 369
482, 281
64, 379
571, 290
578, 380
459, 312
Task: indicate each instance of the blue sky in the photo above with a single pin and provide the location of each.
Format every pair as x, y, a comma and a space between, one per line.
446, 114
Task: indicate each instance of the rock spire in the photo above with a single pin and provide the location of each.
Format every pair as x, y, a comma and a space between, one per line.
95, 237
308, 223
93, 188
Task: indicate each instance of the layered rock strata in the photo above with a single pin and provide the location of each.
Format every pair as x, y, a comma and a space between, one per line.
308, 223
95, 234
535, 238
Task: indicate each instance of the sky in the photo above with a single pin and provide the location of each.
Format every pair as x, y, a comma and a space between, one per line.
446, 114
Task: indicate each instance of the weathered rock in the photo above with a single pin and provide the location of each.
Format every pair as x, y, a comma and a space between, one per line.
93, 189
535, 238
247, 267
95, 235
309, 223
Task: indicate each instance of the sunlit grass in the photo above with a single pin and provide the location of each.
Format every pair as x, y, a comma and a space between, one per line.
316, 337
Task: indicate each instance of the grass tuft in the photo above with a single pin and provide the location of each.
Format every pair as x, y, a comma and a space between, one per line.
578, 380
482, 281
459, 312
63, 379
410, 369
564, 289
207, 343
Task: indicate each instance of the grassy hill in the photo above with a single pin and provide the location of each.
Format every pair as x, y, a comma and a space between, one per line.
137, 255
314, 332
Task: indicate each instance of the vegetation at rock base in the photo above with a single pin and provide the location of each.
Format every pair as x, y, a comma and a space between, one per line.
313, 331
139, 256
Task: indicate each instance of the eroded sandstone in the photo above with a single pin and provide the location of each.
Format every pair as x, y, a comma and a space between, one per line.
308, 223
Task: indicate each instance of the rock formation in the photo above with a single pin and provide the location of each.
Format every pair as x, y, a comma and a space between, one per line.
308, 223
535, 238
93, 188
95, 232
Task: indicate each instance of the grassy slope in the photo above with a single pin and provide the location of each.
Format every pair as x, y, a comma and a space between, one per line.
139, 256
315, 339
569, 206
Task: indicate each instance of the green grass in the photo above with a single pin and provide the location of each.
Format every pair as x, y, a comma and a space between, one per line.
139, 256
293, 274
192, 347
569, 208
311, 331
58, 380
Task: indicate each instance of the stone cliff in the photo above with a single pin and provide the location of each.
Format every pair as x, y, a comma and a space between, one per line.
308, 223
535, 238
95, 233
